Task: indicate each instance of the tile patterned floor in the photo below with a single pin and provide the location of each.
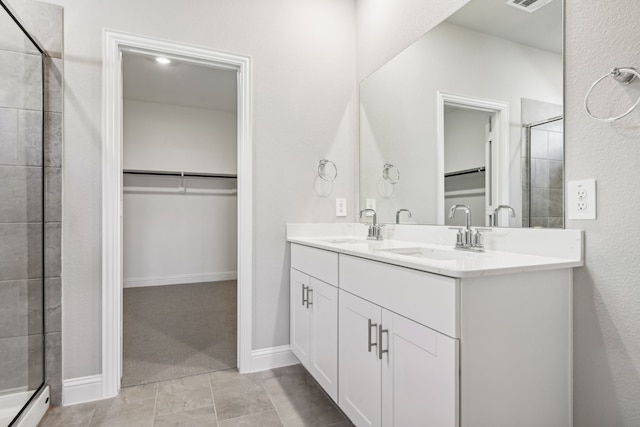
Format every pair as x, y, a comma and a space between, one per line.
279, 397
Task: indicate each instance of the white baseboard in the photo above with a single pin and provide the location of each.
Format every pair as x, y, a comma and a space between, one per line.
81, 390
273, 357
141, 282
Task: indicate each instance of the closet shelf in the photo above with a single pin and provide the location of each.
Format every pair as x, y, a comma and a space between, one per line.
465, 172
469, 192
180, 174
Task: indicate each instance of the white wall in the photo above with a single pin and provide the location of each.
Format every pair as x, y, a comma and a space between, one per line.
599, 36
175, 138
303, 56
173, 237
399, 108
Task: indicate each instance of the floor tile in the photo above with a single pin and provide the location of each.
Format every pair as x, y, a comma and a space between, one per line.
261, 419
183, 394
201, 417
117, 412
236, 395
141, 392
300, 402
68, 416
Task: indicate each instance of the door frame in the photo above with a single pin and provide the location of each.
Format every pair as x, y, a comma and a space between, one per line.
114, 43
500, 157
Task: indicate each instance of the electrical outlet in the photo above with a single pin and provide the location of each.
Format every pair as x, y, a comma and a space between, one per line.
371, 204
581, 201
341, 207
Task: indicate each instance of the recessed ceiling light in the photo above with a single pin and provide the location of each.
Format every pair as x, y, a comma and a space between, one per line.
163, 60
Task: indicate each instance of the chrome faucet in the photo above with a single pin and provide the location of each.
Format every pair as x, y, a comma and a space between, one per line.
375, 230
467, 238
398, 214
497, 210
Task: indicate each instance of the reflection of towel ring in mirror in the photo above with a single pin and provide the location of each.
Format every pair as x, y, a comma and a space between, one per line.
623, 75
390, 173
327, 170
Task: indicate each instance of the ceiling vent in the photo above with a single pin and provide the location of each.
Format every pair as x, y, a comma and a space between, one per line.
528, 5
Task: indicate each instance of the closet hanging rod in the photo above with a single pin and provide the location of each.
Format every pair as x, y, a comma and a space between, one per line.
185, 174
465, 172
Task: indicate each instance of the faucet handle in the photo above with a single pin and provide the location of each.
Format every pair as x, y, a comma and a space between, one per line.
478, 237
459, 237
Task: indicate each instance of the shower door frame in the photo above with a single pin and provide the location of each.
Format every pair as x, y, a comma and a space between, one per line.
114, 43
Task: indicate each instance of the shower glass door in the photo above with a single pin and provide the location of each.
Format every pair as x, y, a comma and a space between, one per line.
21, 218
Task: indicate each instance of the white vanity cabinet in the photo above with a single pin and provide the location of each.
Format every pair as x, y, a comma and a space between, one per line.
393, 371
403, 347
314, 314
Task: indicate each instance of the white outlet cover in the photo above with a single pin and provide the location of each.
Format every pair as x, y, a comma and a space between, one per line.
581, 199
341, 207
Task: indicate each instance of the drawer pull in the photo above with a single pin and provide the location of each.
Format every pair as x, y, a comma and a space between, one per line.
380, 350
371, 344
309, 292
305, 300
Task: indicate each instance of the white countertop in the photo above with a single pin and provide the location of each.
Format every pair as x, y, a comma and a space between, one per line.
439, 259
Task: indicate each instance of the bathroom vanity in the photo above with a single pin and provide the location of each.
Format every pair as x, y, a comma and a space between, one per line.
409, 332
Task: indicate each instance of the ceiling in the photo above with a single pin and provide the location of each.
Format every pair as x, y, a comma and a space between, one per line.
179, 83
541, 29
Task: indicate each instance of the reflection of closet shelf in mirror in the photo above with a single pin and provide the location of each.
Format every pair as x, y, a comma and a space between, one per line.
465, 172
461, 193
148, 181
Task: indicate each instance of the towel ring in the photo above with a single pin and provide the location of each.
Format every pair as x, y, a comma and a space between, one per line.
322, 170
390, 173
623, 75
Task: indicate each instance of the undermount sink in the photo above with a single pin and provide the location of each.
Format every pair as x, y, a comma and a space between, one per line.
432, 253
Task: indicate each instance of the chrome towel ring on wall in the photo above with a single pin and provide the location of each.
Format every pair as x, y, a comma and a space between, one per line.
327, 170
391, 173
623, 75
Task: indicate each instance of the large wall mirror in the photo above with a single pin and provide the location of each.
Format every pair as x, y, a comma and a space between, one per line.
471, 113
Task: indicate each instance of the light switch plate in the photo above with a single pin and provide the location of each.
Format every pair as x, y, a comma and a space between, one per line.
581, 199
341, 207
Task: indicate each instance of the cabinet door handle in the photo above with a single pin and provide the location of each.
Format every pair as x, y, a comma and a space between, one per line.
371, 344
304, 288
309, 292
380, 350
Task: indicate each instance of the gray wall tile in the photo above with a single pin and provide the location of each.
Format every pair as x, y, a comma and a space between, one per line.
53, 85
52, 252
556, 174
20, 251
35, 365
21, 194
539, 173
20, 308
556, 146
44, 22
12, 39
21, 83
13, 362
53, 349
53, 304
20, 137
539, 144
53, 194
53, 139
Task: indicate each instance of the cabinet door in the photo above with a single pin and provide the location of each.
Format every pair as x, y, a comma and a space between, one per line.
419, 375
323, 363
359, 368
299, 321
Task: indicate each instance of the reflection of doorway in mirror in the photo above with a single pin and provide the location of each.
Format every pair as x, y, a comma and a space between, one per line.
467, 162
473, 160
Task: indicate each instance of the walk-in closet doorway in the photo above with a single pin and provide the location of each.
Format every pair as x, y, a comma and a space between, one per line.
176, 210
179, 218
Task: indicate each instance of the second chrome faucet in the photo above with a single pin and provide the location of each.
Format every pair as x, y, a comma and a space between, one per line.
467, 239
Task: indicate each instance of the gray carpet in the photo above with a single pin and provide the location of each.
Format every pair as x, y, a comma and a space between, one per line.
178, 330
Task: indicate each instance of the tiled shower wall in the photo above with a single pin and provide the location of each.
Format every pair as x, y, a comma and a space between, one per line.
21, 161
543, 176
